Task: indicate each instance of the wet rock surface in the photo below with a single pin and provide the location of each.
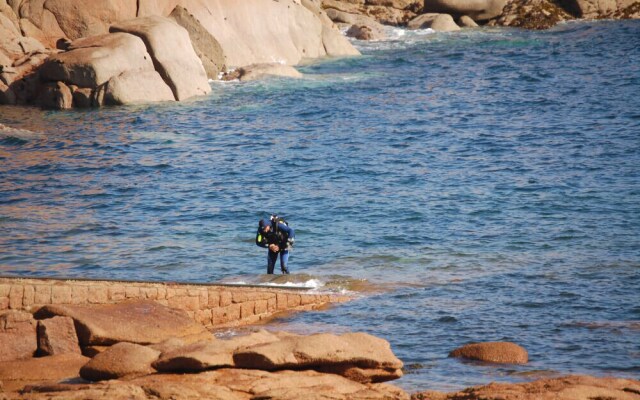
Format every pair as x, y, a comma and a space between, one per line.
494, 352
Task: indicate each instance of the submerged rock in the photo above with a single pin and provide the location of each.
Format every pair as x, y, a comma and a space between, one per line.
259, 71
496, 352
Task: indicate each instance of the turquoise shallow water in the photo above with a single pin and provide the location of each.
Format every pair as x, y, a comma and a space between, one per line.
483, 185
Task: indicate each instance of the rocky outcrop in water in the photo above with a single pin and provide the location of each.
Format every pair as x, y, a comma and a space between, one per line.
437, 22
183, 44
259, 71
134, 340
528, 14
564, 388
495, 352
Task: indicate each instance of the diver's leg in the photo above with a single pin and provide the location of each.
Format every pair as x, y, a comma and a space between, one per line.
284, 259
271, 261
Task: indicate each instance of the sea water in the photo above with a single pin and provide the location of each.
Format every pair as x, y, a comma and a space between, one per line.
471, 186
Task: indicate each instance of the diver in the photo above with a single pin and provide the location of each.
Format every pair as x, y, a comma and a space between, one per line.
276, 235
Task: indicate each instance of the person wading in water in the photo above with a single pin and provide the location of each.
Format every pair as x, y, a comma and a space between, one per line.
276, 235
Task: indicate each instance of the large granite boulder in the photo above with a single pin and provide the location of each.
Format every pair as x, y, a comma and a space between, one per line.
225, 384
92, 61
495, 352
605, 8
205, 45
173, 56
563, 388
209, 354
120, 360
466, 22
19, 57
19, 373
133, 87
437, 22
141, 322
89, 19
375, 30
479, 10
248, 35
57, 335
18, 338
55, 96
326, 352
333, 41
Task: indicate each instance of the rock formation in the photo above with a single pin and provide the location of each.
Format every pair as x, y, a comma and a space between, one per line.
142, 322
564, 388
130, 51
57, 335
258, 71
495, 352
17, 336
531, 14
437, 22
478, 10
243, 367
120, 360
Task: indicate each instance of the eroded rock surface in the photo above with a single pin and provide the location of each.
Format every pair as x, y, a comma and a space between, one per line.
18, 338
141, 322
564, 388
437, 22
57, 335
209, 354
173, 56
259, 71
119, 361
17, 374
327, 352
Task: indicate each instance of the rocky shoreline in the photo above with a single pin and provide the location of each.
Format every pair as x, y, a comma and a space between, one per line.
141, 348
56, 55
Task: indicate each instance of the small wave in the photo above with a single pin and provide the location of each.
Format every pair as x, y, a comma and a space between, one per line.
310, 284
631, 325
16, 137
160, 248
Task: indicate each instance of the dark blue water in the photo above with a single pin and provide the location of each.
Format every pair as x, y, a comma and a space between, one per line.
474, 186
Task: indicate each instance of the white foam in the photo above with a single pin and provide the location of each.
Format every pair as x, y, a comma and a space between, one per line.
311, 284
8, 131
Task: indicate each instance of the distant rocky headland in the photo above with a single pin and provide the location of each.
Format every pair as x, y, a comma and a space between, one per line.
59, 54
